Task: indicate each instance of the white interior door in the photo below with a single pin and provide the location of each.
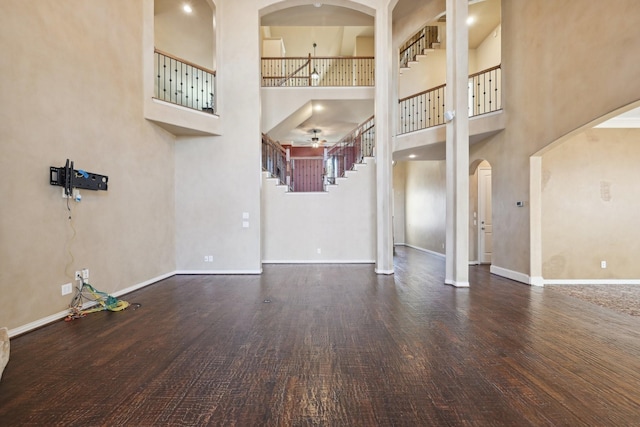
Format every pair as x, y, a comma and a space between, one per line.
485, 225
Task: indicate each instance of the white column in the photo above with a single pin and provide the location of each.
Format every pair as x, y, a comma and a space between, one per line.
535, 221
384, 108
457, 150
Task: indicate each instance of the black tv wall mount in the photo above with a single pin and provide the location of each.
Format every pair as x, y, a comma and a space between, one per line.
69, 178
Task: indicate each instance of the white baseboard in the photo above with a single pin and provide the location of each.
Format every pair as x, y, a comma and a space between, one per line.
384, 271
37, 323
510, 274
592, 282
457, 284
423, 250
219, 272
143, 284
536, 281
322, 261
62, 314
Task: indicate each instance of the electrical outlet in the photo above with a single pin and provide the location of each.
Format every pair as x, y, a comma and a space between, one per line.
74, 195
603, 264
85, 273
66, 289
78, 275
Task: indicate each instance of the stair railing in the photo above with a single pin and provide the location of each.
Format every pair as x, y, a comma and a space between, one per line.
331, 71
351, 149
275, 160
416, 45
426, 109
184, 83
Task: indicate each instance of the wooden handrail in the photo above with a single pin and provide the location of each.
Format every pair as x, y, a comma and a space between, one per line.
284, 80
337, 146
412, 44
316, 57
184, 61
423, 92
443, 85
485, 71
273, 143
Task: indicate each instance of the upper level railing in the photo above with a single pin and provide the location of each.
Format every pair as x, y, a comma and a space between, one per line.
317, 71
351, 149
275, 160
426, 109
416, 45
183, 83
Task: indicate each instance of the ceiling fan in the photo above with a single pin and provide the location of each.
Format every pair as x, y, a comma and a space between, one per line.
315, 141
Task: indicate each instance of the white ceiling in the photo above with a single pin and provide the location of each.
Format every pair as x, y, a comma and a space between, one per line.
630, 119
333, 118
311, 16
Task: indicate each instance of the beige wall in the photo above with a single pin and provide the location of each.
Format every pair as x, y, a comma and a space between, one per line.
425, 205
553, 83
340, 222
365, 46
399, 192
188, 36
429, 72
218, 179
488, 54
73, 70
590, 205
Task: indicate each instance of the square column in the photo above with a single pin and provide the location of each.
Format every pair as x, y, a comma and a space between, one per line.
384, 110
457, 144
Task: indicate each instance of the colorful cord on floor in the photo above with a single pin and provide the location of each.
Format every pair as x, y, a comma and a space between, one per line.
100, 301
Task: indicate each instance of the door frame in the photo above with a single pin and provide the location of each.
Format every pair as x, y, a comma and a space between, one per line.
481, 204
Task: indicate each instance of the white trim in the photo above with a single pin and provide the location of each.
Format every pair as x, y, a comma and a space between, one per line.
476, 262
143, 284
219, 272
536, 281
458, 284
37, 323
183, 108
383, 271
62, 314
592, 282
321, 261
422, 249
510, 274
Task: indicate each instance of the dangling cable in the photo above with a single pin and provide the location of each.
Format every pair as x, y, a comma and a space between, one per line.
69, 244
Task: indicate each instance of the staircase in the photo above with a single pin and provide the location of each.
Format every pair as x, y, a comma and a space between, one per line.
424, 41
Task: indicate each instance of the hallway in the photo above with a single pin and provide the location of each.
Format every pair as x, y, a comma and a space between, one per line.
332, 345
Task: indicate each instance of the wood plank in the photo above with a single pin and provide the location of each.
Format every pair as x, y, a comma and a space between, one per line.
332, 345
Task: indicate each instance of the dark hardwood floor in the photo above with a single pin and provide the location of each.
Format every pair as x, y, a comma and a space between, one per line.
332, 345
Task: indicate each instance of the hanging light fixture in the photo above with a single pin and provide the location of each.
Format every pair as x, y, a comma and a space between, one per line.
315, 140
315, 75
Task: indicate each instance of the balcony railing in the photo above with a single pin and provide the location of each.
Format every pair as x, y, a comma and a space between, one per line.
351, 149
275, 160
318, 71
183, 83
422, 110
426, 109
485, 91
416, 45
